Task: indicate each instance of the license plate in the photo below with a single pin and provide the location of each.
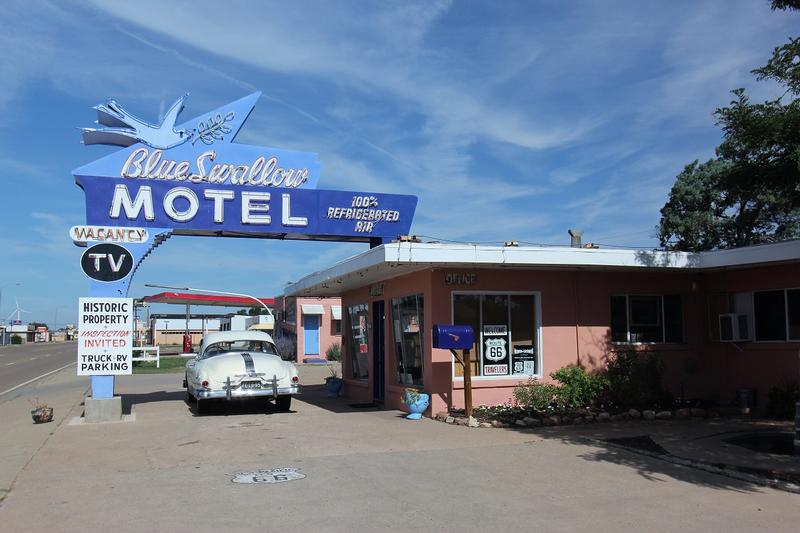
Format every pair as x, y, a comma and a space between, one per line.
249, 385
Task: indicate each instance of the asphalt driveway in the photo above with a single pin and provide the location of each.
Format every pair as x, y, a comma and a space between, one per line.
366, 470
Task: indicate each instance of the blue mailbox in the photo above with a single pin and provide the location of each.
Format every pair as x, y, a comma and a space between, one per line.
453, 337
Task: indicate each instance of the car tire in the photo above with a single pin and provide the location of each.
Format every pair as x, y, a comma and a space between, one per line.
283, 403
190, 397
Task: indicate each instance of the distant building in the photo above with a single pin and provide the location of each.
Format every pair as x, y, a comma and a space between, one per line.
315, 324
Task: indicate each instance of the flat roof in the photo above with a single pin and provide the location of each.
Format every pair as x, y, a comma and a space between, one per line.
205, 299
400, 258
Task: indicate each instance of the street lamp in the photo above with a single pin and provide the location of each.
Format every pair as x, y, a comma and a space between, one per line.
3, 336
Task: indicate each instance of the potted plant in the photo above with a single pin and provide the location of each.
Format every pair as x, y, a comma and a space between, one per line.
333, 383
41, 412
416, 402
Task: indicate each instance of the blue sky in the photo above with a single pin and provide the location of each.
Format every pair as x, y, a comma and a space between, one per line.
509, 120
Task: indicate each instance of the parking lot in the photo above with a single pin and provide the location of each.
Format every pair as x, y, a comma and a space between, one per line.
366, 469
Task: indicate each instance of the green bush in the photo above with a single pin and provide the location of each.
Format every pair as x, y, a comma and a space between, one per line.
537, 395
16, 339
781, 401
578, 387
334, 352
635, 379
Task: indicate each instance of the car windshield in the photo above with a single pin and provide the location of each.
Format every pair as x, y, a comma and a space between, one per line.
240, 346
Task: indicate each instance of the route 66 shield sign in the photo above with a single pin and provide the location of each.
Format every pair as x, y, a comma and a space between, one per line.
495, 349
275, 475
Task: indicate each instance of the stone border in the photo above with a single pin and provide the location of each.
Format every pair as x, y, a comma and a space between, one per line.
580, 417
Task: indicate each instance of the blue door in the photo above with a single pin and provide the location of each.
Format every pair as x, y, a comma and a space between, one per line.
311, 334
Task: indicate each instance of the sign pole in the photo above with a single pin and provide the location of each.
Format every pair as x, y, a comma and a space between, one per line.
467, 383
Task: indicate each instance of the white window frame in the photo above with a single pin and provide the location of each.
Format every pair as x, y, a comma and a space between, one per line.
785, 312
537, 324
628, 340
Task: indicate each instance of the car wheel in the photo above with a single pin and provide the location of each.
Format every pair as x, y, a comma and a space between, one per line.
189, 397
283, 403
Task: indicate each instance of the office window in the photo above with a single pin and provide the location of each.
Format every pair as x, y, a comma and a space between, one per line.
358, 341
408, 327
506, 334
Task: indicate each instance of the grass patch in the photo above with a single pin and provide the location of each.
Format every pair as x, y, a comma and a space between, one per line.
169, 365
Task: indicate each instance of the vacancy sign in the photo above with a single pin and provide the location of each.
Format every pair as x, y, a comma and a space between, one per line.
105, 336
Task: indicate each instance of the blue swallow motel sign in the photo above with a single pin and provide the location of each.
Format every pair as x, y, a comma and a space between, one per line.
190, 178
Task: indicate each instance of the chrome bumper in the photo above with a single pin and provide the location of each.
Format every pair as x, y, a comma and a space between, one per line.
230, 394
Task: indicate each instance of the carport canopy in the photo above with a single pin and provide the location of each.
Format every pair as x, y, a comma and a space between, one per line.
187, 298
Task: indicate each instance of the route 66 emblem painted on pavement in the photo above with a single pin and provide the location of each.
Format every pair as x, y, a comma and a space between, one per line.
275, 475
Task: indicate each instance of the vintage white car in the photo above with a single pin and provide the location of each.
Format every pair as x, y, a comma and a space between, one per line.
240, 364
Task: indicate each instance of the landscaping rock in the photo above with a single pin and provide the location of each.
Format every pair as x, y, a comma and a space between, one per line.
499, 424
462, 421
520, 422
485, 425
663, 415
531, 422
698, 412
619, 417
450, 419
471, 422
634, 413
442, 416
603, 417
578, 420
683, 413
554, 419
589, 418
649, 415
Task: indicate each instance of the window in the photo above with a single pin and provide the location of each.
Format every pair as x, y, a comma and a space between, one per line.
777, 315
358, 327
408, 326
219, 348
646, 318
337, 327
506, 333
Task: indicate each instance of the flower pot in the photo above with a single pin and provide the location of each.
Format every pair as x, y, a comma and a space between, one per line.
42, 415
416, 405
334, 387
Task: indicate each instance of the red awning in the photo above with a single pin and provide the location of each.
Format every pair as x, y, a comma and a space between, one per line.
205, 299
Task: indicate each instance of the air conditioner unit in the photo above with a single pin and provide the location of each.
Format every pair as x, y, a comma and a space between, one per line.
734, 327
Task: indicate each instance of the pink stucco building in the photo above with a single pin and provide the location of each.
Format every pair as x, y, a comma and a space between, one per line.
314, 323
721, 320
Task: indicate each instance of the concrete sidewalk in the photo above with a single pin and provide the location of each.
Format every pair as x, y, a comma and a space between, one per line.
367, 469
20, 438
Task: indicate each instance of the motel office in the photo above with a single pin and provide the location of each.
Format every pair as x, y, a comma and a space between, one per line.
720, 320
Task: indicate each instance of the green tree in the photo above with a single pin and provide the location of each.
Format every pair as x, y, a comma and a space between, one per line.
750, 193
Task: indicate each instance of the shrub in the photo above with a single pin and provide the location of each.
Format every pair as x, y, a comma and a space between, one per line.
286, 348
16, 339
334, 352
781, 401
635, 380
537, 395
578, 387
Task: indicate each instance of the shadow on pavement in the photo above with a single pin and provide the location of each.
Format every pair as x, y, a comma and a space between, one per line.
129, 400
640, 449
317, 395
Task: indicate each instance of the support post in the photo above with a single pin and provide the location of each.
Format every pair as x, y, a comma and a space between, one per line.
466, 362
